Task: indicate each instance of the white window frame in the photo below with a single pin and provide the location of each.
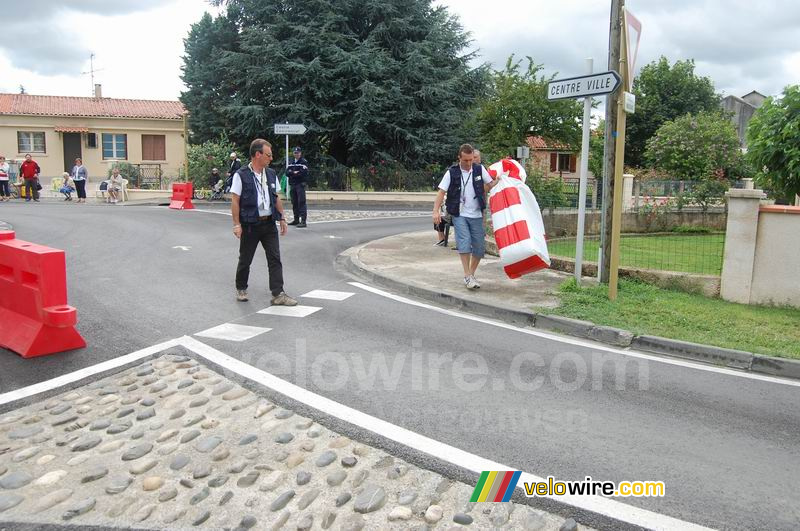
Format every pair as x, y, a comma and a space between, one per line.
115, 155
31, 142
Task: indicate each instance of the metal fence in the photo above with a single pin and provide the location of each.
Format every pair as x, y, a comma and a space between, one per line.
686, 252
147, 177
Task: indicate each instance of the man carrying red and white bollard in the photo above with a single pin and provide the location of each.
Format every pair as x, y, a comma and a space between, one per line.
466, 184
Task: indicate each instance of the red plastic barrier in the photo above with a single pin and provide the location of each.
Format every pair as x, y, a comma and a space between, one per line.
182, 196
35, 319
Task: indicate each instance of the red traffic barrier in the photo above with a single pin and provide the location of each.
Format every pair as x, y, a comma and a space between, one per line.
35, 319
182, 196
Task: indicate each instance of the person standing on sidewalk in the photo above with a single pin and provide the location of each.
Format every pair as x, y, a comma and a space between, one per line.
255, 207
297, 171
466, 185
235, 164
79, 176
29, 170
5, 192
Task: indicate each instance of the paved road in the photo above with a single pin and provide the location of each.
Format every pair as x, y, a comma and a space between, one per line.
726, 446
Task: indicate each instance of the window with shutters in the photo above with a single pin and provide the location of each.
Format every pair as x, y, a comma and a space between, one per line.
154, 147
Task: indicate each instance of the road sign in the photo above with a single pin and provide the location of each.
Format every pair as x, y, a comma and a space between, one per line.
580, 87
633, 34
290, 129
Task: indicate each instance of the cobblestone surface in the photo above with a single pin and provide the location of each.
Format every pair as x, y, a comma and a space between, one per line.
173, 444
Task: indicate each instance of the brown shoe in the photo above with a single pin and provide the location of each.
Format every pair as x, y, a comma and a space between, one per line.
282, 299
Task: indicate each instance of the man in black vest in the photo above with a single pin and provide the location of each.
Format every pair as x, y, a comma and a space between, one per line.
297, 172
256, 206
466, 185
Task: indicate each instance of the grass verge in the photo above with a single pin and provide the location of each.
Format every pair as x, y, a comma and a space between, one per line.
648, 310
687, 252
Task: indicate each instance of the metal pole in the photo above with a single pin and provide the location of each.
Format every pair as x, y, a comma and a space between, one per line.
619, 162
610, 145
287, 153
587, 117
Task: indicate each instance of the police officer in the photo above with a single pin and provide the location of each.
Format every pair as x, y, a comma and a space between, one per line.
255, 207
297, 171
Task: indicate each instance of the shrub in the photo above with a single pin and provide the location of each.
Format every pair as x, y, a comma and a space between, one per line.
127, 171
208, 155
692, 229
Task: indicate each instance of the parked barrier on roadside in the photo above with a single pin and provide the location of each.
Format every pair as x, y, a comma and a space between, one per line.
518, 228
35, 319
182, 196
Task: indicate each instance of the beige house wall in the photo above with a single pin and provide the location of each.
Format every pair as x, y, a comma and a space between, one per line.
776, 269
540, 160
52, 162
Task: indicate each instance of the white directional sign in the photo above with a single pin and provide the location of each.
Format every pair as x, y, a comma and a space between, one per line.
290, 129
580, 87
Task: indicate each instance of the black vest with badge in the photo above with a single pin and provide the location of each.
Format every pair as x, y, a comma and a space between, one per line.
248, 201
453, 201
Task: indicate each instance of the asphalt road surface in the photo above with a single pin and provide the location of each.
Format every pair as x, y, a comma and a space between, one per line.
727, 446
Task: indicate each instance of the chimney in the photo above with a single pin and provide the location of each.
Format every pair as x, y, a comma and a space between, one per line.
98, 90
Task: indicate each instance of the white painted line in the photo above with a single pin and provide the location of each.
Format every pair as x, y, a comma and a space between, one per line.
65, 379
228, 213
466, 460
328, 295
290, 311
233, 332
580, 342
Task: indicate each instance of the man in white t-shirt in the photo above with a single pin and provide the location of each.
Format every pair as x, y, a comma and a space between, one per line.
466, 184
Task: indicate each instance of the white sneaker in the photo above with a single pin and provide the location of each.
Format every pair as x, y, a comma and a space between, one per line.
475, 283
471, 283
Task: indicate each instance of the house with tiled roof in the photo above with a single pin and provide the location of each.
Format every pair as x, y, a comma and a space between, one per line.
56, 130
553, 157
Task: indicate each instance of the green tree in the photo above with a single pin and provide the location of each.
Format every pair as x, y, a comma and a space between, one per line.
596, 148
517, 107
663, 93
371, 79
209, 84
207, 156
702, 148
773, 143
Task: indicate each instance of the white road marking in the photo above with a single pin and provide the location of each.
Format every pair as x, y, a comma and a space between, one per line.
182, 247
328, 295
580, 342
450, 454
65, 379
233, 332
290, 311
444, 452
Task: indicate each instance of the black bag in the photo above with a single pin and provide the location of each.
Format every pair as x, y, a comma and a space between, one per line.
38, 185
104, 185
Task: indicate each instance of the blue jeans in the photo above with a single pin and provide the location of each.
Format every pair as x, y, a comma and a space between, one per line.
470, 237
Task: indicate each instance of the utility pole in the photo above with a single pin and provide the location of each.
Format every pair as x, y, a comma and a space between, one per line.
609, 149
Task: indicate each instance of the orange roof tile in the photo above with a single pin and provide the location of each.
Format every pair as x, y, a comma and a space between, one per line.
26, 104
538, 142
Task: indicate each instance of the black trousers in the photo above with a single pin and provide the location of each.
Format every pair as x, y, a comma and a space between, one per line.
266, 233
31, 190
80, 186
297, 192
4, 191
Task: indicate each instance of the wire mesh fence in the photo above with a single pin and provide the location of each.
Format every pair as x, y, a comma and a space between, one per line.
698, 252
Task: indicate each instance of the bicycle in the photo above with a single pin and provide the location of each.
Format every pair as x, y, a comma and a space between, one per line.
217, 192
200, 193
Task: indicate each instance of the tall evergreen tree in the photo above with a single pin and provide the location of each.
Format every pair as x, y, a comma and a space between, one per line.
371, 79
204, 75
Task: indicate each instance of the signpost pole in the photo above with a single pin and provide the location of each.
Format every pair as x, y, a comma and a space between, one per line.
587, 116
619, 161
287, 152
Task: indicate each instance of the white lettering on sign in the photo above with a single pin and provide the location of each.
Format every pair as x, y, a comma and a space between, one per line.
581, 87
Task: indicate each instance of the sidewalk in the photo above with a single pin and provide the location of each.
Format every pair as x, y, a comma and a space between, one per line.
412, 259
409, 263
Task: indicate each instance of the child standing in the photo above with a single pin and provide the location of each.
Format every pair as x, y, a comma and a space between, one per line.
68, 188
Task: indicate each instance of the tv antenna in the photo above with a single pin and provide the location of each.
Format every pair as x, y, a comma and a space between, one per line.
91, 72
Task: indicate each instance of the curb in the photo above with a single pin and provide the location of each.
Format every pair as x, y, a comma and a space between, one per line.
735, 359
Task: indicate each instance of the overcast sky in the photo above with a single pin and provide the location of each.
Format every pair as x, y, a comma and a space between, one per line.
741, 45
